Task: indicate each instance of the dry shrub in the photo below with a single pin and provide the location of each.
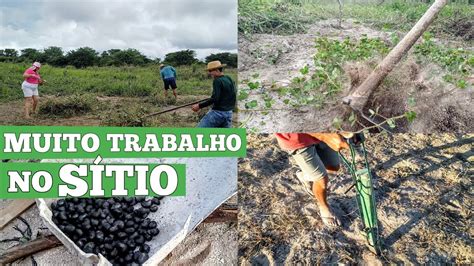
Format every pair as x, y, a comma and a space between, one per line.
158, 98
68, 106
174, 119
125, 117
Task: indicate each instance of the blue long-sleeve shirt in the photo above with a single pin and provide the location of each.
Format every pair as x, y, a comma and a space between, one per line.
168, 72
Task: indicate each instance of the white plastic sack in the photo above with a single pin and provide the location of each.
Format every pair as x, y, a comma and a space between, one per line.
209, 183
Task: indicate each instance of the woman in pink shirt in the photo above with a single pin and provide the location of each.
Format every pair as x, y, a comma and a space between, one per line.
30, 88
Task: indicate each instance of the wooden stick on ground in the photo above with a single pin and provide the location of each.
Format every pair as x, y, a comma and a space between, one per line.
13, 210
358, 99
225, 213
29, 248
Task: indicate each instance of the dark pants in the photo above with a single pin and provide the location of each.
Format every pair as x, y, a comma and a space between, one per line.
170, 82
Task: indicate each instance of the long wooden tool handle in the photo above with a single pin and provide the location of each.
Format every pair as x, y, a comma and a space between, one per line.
360, 96
29, 248
175, 108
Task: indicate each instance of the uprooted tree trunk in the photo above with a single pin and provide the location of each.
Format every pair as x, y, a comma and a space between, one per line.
359, 97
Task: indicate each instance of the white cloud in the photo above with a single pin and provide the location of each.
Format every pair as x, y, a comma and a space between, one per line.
154, 27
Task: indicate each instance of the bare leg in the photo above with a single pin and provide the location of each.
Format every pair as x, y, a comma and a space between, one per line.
174, 93
331, 172
320, 193
28, 102
35, 103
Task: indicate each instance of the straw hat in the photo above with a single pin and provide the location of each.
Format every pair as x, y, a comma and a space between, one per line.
161, 65
215, 65
37, 64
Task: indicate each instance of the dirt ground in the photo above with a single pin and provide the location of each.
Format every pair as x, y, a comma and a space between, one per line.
276, 60
424, 195
208, 244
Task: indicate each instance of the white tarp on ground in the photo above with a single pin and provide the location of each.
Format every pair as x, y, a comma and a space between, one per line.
209, 183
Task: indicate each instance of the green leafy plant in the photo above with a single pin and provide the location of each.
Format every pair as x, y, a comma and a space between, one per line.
458, 62
326, 80
251, 104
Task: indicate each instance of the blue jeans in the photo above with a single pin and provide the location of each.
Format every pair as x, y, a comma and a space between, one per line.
215, 118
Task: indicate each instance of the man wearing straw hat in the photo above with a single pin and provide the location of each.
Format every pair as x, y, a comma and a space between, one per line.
168, 74
223, 98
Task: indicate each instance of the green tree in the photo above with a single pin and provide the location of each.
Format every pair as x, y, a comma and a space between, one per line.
30, 55
10, 55
82, 57
226, 58
129, 57
107, 59
104, 59
184, 57
2, 55
53, 55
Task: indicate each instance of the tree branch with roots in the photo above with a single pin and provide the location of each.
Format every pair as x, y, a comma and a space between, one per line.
381, 125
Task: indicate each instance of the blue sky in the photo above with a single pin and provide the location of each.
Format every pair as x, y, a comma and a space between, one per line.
155, 27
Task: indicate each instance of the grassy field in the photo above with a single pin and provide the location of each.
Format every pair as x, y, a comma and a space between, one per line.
116, 96
281, 17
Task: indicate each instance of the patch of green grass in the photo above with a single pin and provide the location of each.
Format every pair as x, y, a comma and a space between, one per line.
402, 16
458, 62
272, 17
290, 17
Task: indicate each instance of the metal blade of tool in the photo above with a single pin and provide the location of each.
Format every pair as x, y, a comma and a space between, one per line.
375, 120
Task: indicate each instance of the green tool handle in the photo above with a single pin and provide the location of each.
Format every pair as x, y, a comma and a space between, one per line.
365, 198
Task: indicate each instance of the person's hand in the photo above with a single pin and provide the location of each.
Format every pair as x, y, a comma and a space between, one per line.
195, 107
337, 142
346, 135
334, 140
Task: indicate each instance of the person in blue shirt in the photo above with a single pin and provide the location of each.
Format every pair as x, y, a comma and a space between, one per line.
168, 74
